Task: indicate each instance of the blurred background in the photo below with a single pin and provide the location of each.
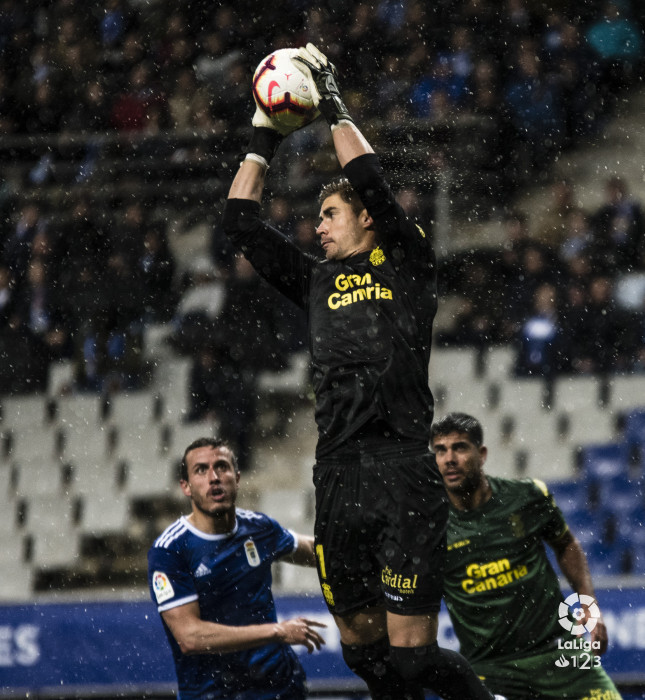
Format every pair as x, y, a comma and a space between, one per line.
512, 131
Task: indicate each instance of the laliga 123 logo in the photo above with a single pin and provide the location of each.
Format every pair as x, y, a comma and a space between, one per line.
573, 605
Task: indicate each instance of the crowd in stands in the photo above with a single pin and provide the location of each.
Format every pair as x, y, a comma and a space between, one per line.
554, 292
79, 281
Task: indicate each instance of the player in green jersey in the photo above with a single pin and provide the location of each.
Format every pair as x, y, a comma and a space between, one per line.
501, 591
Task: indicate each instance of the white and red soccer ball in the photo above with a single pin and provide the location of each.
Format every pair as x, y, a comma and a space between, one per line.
282, 91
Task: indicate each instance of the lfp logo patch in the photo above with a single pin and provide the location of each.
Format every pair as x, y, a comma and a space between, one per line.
587, 618
162, 587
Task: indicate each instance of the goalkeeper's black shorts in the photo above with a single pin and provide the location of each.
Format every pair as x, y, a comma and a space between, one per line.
380, 533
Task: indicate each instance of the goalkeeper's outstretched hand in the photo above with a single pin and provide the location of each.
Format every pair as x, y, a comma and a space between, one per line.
322, 74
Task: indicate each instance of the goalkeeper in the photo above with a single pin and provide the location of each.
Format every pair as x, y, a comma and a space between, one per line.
381, 509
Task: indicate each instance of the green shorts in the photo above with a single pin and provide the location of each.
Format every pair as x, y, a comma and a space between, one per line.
538, 676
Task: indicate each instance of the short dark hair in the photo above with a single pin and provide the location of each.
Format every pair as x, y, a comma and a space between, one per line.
204, 442
343, 187
459, 423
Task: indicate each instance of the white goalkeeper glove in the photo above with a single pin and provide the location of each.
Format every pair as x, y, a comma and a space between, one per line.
266, 137
262, 119
322, 75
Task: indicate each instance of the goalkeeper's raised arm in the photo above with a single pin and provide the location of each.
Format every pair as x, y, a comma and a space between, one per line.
267, 134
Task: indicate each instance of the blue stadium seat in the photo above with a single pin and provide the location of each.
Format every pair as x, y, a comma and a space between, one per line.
570, 496
621, 495
586, 527
638, 559
607, 549
601, 462
635, 426
607, 560
634, 431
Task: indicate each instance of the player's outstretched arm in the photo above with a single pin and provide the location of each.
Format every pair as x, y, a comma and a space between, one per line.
197, 636
303, 554
349, 142
248, 182
266, 137
573, 563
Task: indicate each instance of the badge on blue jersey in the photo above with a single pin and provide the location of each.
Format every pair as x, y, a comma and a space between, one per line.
252, 555
162, 587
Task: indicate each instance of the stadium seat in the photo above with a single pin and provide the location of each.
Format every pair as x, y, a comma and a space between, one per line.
85, 444
623, 496
55, 549
8, 514
150, 476
604, 461
499, 362
585, 527
472, 397
288, 578
171, 380
545, 459
100, 476
182, 434
29, 443
155, 337
638, 560
135, 439
635, 533
528, 425
522, 396
60, 377
607, 559
502, 458
80, 409
49, 512
458, 364
38, 476
12, 550
293, 508
293, 380
591, 425
24, 411
104, 513
569, 496
576, 393
635, 427
627, 391
141, 408
17, 581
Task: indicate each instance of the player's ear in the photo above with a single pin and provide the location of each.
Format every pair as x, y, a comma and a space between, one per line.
366, 220
185, 487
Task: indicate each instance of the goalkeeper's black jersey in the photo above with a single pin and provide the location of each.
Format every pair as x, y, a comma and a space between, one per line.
370, 315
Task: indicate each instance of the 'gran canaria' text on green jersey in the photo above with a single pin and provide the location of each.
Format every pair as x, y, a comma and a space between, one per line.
500, 588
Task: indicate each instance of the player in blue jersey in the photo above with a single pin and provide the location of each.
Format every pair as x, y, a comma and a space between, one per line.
210, 576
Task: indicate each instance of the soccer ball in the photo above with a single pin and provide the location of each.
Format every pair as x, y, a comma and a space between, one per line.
283, 92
